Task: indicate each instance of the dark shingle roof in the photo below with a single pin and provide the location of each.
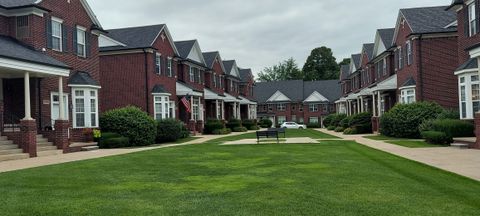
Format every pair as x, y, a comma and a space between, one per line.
386, 35
82, 78
368, 48
455, 3
16, 3
184, 47
297, 90
430, 19
410, 82
229, 66
470, 64
344, 72
356, 60
245, 74
210, 58
134, 37
159, 89
13, 49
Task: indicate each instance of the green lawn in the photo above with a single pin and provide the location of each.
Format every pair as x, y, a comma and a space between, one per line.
331, 178
413, 144
289, 134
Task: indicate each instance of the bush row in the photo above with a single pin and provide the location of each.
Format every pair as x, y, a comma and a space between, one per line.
235, 125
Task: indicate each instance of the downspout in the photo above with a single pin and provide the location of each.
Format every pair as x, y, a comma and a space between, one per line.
146, 81
420, 68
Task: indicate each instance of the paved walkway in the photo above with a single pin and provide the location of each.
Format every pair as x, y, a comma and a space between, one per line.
465, 162
79, 156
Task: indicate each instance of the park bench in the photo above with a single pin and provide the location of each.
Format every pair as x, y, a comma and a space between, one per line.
280, 131
267, 134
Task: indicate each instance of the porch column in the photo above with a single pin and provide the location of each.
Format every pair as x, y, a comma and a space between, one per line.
61, 102
358, 105
191, 108
239, 113
61, 124
223, 110
373, 105
28, 109
362, 107
249, 112
379, 103
234, 107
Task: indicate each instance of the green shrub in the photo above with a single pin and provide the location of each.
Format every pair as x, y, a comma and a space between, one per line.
249, 124
240, 129
130, 122
331, 128
234, 123
112, 140
213, 125
437, 137
345, 123
339, 129
338, 118
255, 128
222, 131
362, 122
314, 125
454, 128
426, 125
266, 123
449, 114
328, 121
169, 130
403, 120
350, 131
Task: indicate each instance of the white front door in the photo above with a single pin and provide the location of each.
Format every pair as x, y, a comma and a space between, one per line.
55, 107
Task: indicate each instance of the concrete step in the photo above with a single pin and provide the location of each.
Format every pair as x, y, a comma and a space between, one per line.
46, 148
49, 153
11, 151
14, 157
39, 136
41, 144
90, 148
40, 140
7, 147
6, 142
3, 138
460, 145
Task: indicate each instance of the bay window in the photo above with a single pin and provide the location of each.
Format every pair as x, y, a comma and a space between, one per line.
192, 75
85, 108
407, 95
161, 104
469, 87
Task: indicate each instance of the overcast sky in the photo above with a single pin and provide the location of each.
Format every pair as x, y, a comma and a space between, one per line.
260, 33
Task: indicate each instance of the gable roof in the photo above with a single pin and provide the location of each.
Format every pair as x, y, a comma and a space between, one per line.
330, 89
230, 66
82, 78
297, 90
210, 58
356, 60
279, 97
139, 37
368, 49
410, 82
17, 3
386, 35
424, 20
186, 47
13, 49
344, 72
245, 74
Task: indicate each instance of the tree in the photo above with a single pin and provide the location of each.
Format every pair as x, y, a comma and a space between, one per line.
345, 61
286, 70
321, 65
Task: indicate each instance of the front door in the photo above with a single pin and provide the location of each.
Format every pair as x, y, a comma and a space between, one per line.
55, 107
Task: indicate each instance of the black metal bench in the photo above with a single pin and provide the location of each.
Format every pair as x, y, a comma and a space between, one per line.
280, 131
267, 134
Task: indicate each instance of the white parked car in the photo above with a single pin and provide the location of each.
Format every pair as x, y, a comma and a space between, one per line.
293, 125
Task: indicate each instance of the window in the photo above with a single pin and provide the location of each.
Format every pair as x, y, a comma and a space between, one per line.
22, 27
161, 106
219, 111
313, 120
171, 113
300, 108
384, 66
231, 86
270, 107
325, 108
196, 109
281, 119
281, 107
294, 107
85, 108
192, 74
408, 96
214, 80
81, 42
57, 34
169, 67
313, 108
409, 53
469, 87
158, 63
472, 19
400, 58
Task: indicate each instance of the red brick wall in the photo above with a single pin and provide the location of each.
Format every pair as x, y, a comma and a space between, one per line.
464, 41
217, 69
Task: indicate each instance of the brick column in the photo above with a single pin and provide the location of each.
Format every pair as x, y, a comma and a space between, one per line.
199, 126
61, 135
192, 126
375, 124
29, 137
1, 115
477, 130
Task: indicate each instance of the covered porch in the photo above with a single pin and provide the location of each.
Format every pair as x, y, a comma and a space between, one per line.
232, 107
214, 105
384, 98
193, 116
248, 109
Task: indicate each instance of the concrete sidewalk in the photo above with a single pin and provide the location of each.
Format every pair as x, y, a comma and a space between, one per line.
465, 162
79, 156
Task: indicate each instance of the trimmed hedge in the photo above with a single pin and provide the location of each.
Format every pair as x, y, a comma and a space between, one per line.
240, 129
112, 140
249, 124
169, 130
331, 128
339, 129
130, 122
328, 121
213, 125
314, 125
255, 128
350, 131
265, 123
333, 120
454, 128
234, 123
437, 137
222, 131
345, 123
403, 120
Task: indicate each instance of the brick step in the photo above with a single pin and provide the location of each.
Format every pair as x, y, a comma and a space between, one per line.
49, 153
11, 151
7, 147
41, 140
14, 157
42, 144
46, 148
6, 142
90, 148
460, 145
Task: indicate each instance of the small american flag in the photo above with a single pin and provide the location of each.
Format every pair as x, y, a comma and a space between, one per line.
186, 103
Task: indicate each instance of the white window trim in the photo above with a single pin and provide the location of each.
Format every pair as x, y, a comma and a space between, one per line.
158, 63
409, 52
84, 30
165, 104
314, 106
87, 104
170, 66
281, 107
471, 9
470, 114
52, 103
404, 94
60, 37
400, 58
192, 74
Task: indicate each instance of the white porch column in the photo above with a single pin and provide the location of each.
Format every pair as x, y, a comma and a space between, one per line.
379, 103
61, 102
191, 109
373, 105
28, 111
362, 106
239, 113
358, 105
216, 110
234, 107
248, 112
223, 110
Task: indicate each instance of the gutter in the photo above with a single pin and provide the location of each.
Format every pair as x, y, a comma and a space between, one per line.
146, 81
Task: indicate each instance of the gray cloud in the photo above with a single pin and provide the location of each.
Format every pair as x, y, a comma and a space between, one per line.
260, 33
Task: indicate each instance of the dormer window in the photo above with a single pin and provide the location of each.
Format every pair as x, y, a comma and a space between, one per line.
472, 19
22, 27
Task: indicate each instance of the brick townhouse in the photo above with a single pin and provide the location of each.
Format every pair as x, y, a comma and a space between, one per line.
49, 70
412, 63
467, 72
248, 105
214, 86
296, 100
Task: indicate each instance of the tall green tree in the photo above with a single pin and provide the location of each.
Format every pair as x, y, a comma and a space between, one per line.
345, 61
286, 70
321, 65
